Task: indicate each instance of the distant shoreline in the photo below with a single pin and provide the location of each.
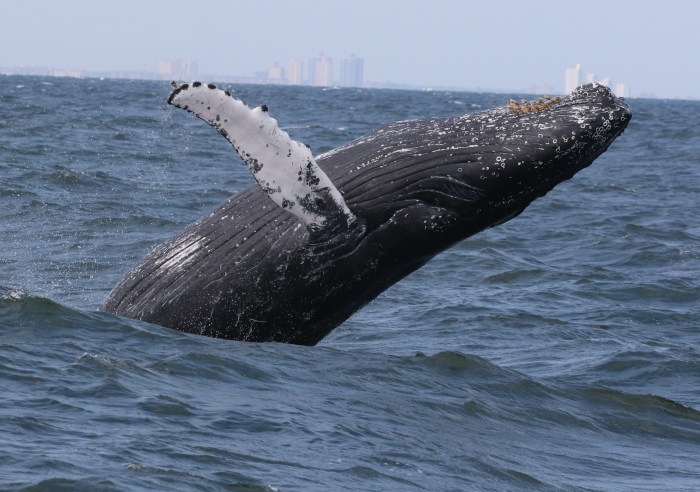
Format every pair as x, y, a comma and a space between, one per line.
252, 80
135, 75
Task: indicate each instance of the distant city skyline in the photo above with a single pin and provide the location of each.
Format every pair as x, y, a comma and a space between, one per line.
320, 73
497, 46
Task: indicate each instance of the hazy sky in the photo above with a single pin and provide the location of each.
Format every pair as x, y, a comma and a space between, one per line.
653, 46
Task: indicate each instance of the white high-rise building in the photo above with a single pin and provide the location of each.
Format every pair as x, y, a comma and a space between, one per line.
572, 78
351, 72
275, 74
621, 90
321, 71
177, 69
165, 68
294, 71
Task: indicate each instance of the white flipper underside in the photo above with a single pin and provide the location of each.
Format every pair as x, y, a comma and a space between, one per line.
284, 168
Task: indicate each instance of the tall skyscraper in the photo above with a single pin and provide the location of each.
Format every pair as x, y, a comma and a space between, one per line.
165, 68
275, 74
294, 71
177, 69
321, 71
352, 72
572, 78
621, 90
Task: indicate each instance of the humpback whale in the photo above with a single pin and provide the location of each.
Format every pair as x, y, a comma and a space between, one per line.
316, 238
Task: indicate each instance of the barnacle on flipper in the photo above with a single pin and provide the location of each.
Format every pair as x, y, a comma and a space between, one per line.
532, 106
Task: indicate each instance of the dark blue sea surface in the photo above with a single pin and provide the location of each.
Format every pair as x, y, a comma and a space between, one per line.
559, 351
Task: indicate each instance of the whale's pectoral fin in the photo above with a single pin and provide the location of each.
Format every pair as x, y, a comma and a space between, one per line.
284, 168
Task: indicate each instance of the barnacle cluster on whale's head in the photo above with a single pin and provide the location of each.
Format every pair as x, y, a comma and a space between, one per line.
532, 106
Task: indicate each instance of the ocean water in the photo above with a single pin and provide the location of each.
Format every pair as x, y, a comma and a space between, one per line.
559, 351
